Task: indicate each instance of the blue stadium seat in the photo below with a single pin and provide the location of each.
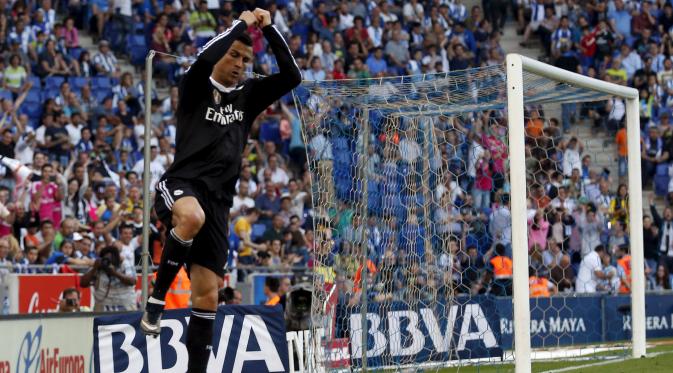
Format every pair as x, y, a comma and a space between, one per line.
49, 93
341, 143
661, 185
32, 109
269, 131
100, 82
136, 40
53, 81
34, 95
6, 94
137, 54
74, 53
101, 94
257, 231
77, 82
37, 83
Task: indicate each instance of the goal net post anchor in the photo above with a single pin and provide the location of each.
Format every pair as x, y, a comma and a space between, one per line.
515, 67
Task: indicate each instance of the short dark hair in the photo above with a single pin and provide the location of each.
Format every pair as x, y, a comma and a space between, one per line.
225, 295
69, 291
273, 283
500, 249
599, 249
245, 39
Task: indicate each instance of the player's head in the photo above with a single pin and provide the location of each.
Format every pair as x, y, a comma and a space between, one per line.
230, 69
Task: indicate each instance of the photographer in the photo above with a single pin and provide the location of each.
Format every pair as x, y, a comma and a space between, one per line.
113, 279
70, 302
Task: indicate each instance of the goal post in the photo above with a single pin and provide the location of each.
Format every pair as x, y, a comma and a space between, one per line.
424, 187
516, 65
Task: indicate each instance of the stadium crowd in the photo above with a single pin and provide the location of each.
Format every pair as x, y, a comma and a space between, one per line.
75, 118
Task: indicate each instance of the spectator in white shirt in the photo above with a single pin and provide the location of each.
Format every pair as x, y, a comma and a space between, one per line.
105, 62
591, 270
571, 156
278, 175
242, 200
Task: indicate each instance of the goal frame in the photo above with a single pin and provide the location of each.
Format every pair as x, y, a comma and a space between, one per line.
516, 65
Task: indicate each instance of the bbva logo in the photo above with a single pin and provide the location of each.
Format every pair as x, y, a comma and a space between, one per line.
251, 326
409, 338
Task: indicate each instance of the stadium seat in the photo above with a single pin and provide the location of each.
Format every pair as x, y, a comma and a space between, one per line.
77, 82
257, 231
100, 82
32, 109
75, 53
661, 185
136, 40
34, 95
137, 54
269, 131
49, 93
6, 95
101, 94
53, 81
340, 143
37, 83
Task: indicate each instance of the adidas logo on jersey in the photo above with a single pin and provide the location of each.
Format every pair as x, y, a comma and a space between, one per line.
178, 192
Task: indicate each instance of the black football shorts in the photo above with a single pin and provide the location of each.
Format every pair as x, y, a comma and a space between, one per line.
211, 245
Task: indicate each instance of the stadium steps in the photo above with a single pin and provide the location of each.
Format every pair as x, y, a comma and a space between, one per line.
510, 42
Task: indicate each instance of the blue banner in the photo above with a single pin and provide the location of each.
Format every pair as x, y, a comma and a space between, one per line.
246, 339
572, 320
398, 334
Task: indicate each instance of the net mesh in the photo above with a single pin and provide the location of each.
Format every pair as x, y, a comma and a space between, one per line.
410, 191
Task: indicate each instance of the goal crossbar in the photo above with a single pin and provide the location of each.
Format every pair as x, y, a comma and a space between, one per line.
516, 66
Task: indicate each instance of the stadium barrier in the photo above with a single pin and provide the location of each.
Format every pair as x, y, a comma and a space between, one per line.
65, 342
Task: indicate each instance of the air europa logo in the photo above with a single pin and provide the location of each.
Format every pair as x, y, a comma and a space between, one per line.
225, 116
33, 359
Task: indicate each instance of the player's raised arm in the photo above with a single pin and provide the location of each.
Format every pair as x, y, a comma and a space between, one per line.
199, 73
269, 89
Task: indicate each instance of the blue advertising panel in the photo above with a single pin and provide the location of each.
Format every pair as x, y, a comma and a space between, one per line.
400, 334
246, 339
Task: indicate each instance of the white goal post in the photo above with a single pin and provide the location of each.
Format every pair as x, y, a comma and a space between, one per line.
516, 65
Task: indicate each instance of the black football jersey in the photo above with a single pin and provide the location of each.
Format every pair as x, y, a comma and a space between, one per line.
213, 121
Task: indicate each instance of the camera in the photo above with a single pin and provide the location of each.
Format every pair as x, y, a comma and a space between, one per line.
70, 302
106, 264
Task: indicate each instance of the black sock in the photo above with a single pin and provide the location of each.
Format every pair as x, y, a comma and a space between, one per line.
199, 339
172, 259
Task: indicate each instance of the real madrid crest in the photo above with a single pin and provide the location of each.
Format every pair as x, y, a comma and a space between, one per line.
216, 96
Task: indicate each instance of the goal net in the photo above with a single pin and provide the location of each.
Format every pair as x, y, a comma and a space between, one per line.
454, 214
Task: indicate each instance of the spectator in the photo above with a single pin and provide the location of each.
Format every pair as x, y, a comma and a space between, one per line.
650, 241
501, 271
268, 203
562, 275
46, 195
276, 230
662, 280
243, 229
271, 286
113, 280
70, 301
591, 271
539, 286
538, 228
228, 295
104, 61
242, 201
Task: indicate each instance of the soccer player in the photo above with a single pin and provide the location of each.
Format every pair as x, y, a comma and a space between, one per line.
215, 113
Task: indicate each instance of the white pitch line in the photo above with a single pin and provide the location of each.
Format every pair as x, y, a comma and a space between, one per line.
611, 361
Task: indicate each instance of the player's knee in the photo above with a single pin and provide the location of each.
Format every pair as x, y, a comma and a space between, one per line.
205, 299
191, 221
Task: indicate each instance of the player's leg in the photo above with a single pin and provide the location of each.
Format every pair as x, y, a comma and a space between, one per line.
187, 218
205, 284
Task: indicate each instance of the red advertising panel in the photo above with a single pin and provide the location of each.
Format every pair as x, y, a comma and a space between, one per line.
41, 293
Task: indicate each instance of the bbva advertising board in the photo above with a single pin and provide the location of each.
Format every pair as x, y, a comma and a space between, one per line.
246, 339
